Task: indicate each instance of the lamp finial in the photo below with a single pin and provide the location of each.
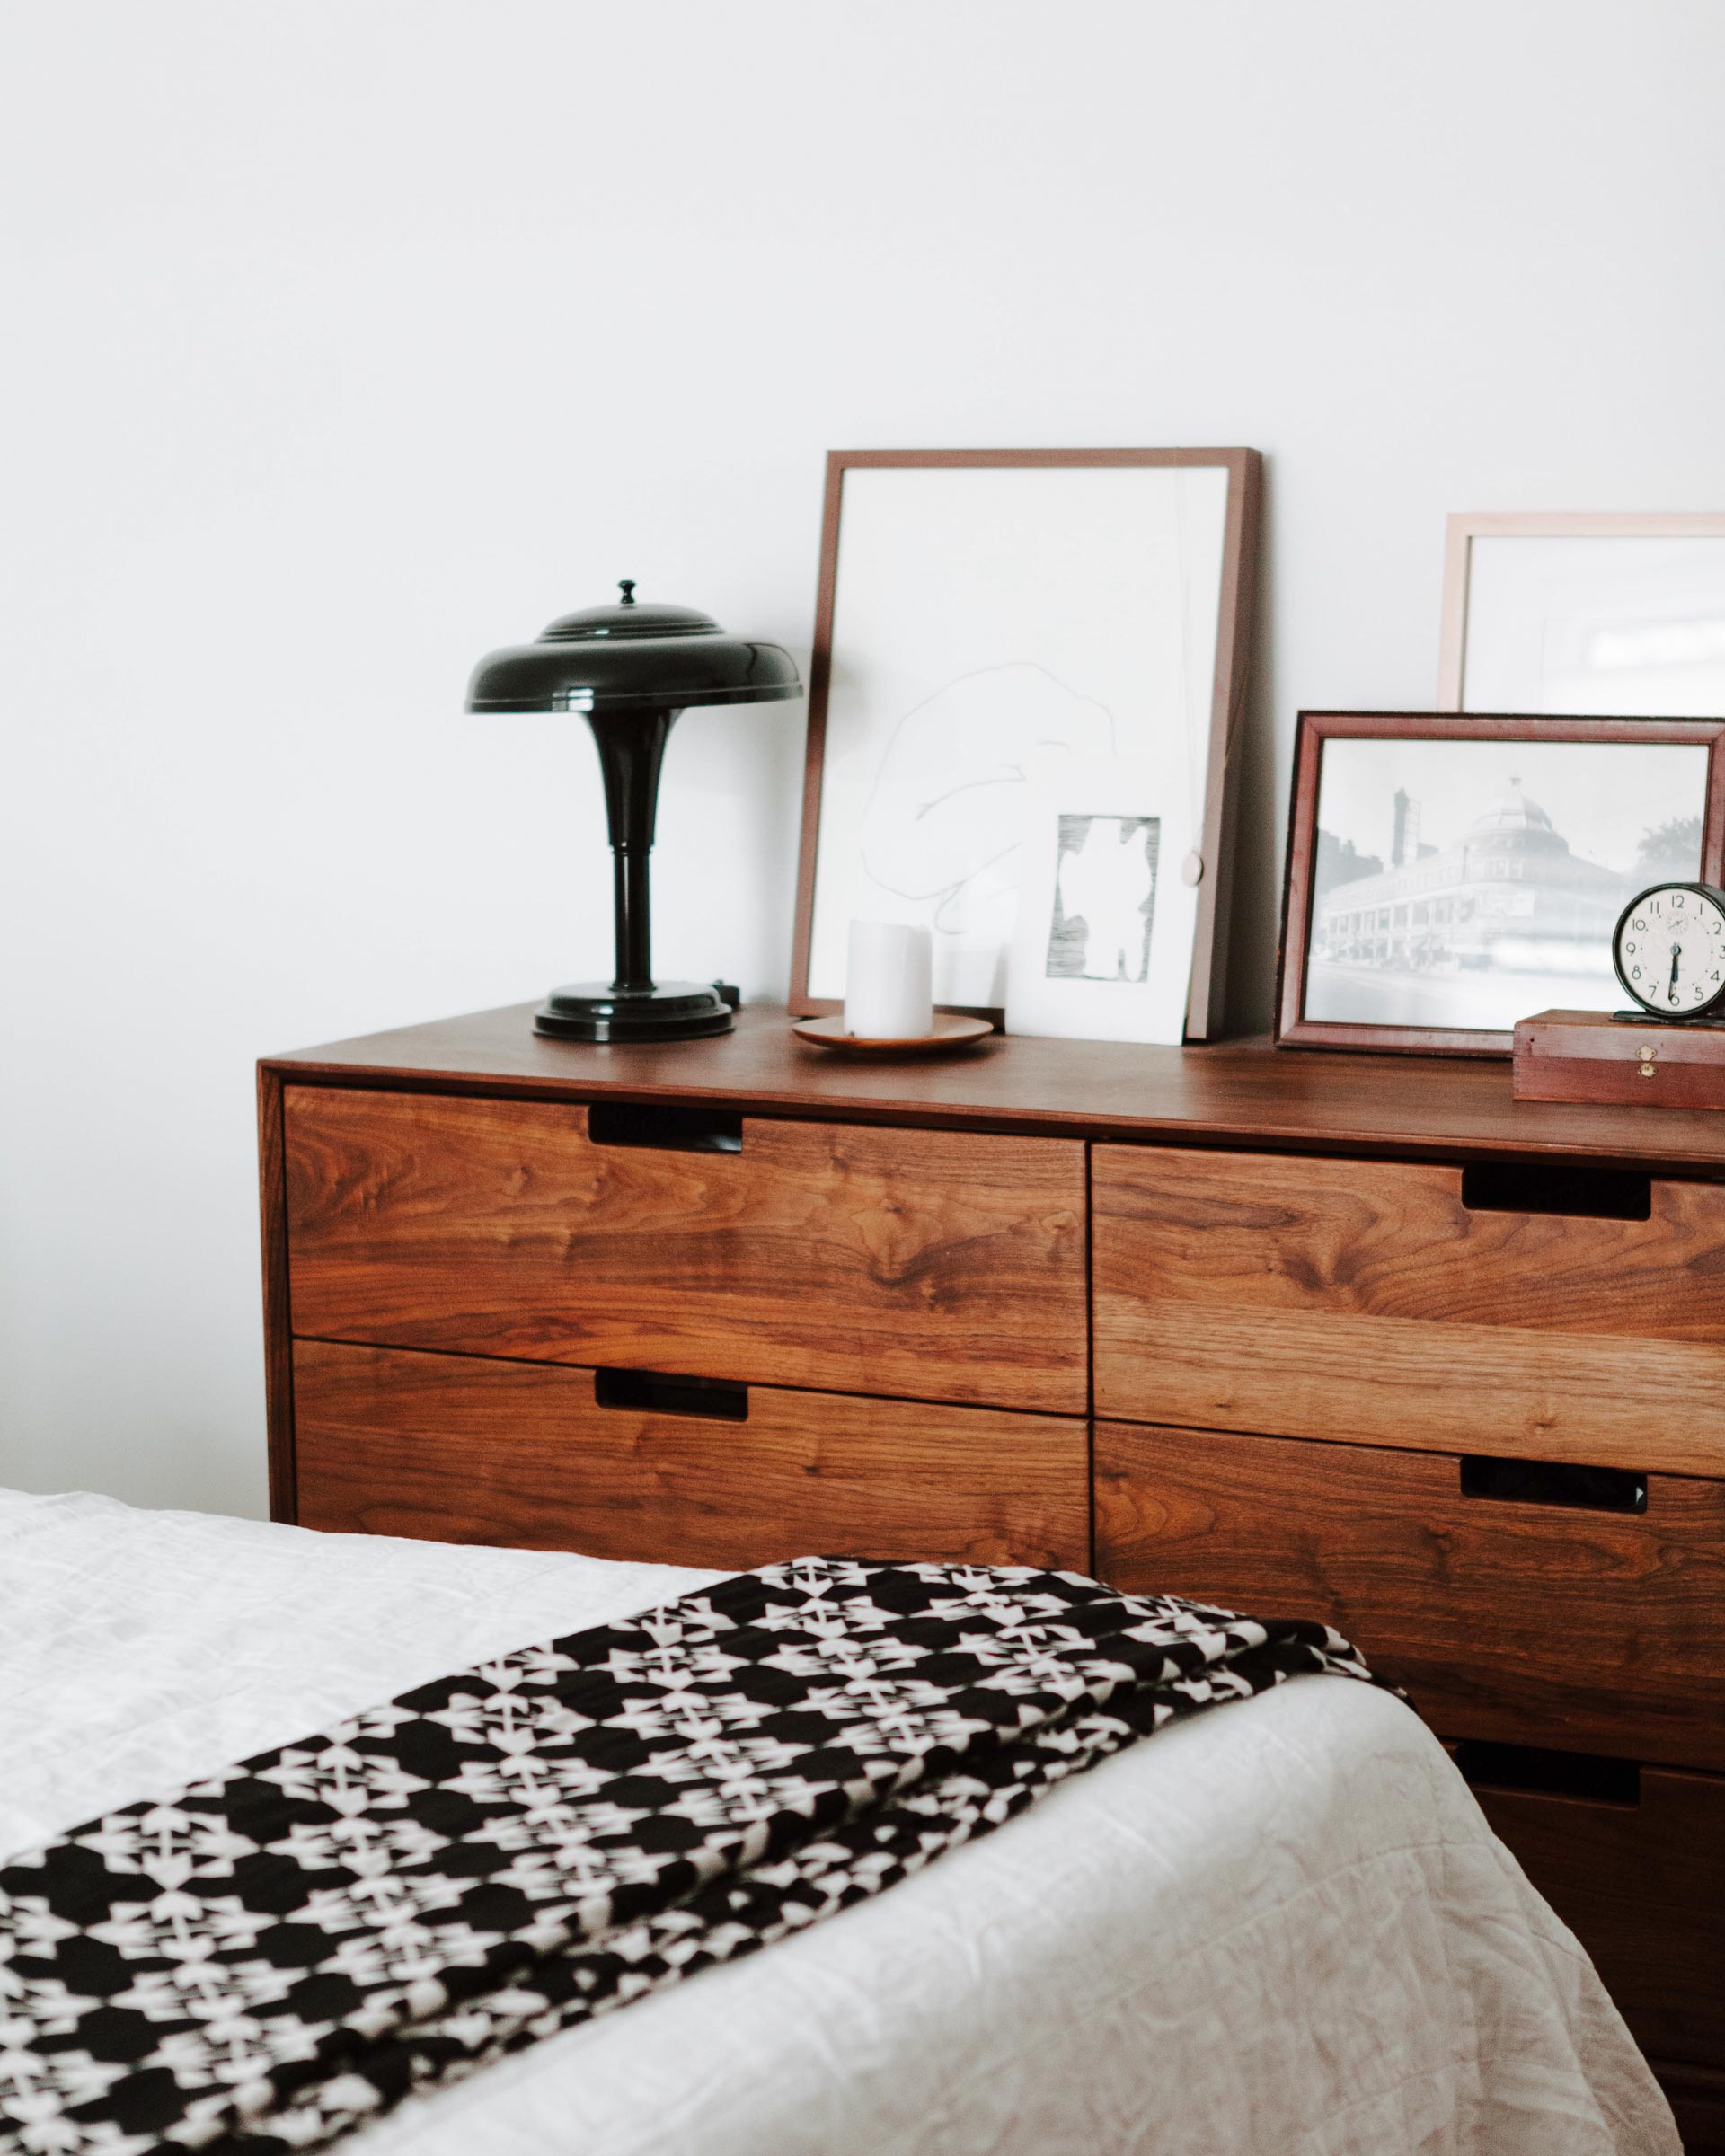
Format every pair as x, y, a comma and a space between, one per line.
626, 586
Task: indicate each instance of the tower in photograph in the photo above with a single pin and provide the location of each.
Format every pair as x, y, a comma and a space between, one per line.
1404, 835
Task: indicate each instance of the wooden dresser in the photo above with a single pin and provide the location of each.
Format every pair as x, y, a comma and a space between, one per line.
1349, 1338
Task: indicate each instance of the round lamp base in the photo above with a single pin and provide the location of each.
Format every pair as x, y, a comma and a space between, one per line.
672, 1010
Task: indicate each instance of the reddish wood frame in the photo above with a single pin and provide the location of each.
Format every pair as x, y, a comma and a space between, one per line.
1292, 1029
1205, 998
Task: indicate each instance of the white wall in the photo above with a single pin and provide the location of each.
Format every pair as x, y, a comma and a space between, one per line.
347, 338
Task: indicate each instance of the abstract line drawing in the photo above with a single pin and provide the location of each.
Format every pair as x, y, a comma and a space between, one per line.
942, 821
1003, 638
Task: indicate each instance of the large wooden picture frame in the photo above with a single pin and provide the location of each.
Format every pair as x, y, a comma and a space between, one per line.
1648, 575
1426, 924
899, 629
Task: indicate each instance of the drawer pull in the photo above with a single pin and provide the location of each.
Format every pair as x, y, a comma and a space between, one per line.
1584, 1193
1528, 1768
653, 1393
1553, 1483
670, 1130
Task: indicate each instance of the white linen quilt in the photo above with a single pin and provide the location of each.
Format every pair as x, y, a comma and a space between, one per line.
1282, 1927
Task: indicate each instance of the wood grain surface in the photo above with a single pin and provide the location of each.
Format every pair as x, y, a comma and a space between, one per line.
1518, 1623
1230, 1094
1697, 2095
932, 1265
1642, 1887
277, 1320
1386, 1380
1341, 1299
1590, 1056
462, 1449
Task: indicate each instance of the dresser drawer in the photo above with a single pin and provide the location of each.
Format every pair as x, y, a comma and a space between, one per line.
1642, 1886
1392, 1302
462, 1449
1520, 1623
929, 1264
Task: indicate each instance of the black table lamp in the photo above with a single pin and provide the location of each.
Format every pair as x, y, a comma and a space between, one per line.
630, 670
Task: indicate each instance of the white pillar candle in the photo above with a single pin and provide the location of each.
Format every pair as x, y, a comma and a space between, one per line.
888, 993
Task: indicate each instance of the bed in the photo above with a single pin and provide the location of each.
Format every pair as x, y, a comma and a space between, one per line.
1281, 1926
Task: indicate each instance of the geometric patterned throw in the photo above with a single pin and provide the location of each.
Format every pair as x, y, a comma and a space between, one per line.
277, 1955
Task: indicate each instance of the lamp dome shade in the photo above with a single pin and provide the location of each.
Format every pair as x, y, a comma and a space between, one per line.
629, 656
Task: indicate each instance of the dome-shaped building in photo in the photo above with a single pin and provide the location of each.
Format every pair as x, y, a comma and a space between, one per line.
1507, 893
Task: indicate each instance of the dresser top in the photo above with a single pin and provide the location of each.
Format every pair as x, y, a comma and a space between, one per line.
1237, 1093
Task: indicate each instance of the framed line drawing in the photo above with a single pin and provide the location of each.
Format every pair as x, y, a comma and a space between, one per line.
1448, 875
1621, 615
1005, 638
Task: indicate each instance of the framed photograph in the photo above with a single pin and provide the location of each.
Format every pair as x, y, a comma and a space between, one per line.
1621, 615
1007, 641
1447, 876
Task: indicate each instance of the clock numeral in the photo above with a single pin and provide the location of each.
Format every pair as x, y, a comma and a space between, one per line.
1635, 973
1640, 923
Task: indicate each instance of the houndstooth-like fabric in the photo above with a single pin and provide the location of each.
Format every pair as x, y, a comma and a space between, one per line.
280, 1953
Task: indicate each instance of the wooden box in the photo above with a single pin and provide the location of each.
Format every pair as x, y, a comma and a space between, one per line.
1590, 1056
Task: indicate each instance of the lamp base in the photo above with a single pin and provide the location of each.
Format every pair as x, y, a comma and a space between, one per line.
671, 1011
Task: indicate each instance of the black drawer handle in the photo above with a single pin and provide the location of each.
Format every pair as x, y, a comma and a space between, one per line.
1526, 1768
1553, 1483
1583, 1193
653, 1393
671, 1129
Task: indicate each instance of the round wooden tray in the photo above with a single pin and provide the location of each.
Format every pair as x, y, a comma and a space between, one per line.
950, 1031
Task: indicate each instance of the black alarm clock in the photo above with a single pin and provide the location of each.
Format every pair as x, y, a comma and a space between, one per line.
1669, 949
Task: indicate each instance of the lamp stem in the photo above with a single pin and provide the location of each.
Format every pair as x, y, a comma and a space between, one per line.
634, 921
632, 749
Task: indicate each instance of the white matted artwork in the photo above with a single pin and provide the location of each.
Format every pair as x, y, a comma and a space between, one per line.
1101, 943
1002, 644
1612, 615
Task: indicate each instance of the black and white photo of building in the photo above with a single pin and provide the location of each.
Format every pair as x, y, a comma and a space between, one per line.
1445, 898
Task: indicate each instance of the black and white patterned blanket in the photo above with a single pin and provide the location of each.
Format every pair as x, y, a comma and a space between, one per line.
278, 1954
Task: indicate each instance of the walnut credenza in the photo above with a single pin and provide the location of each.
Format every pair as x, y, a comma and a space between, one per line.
1350, 1337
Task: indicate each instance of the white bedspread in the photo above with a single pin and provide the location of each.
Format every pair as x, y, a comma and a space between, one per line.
1282, 1929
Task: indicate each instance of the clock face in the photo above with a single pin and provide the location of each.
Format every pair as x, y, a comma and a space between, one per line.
1669, 949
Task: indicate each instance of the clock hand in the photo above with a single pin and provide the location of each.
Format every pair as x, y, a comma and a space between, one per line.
1676, 955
